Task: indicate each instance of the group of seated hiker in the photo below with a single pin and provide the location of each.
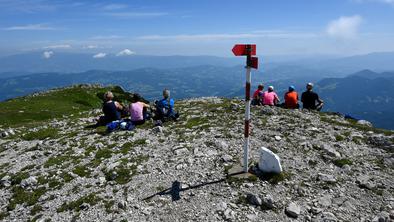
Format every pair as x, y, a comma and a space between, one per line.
137, 112
310, 100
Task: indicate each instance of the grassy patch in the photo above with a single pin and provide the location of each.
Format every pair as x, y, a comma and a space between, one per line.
20, 196
18, 177
342, 162
339, 138
379, 162
3, 215
50, 133
58, 160
197, 122
312, 162
108, 206
36, 209
103, 154
90, 199
239, 181
82, 171
123, 173
89, 150
275, 178
127, 147
377, 191
28, 167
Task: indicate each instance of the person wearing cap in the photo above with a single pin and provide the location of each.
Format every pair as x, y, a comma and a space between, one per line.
257, 95
291, 99
270, 98
310, 100
137, 109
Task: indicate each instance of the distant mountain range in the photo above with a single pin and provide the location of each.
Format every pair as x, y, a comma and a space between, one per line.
321, 66
35, 62
365, 95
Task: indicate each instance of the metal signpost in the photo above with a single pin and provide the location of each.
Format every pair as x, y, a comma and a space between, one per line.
249, 51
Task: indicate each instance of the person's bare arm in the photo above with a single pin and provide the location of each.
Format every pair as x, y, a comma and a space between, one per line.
145, 105
118, 106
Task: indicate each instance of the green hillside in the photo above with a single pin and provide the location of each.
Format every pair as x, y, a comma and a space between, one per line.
40, 107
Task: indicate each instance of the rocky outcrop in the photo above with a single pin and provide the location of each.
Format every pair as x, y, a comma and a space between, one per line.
331, 170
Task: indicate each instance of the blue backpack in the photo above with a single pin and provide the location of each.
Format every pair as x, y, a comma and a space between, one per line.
166, 107
116, 125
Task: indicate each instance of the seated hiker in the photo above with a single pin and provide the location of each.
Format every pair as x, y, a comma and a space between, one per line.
138, 110
165, 108
310, 100
257, 95
111, 109
270, 98
291, 99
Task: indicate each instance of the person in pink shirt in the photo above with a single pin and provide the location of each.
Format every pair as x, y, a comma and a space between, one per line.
136, 109
270, 98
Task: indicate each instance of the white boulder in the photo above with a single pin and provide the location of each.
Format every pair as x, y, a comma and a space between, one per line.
269, 161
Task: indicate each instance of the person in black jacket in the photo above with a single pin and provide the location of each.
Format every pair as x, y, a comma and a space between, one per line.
310, 100
111, 109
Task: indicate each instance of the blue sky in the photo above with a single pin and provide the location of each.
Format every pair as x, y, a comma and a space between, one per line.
199, 27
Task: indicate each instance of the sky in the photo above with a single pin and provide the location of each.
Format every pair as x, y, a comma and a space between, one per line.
196, 27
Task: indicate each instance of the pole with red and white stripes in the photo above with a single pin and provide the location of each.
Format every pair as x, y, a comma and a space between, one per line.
247, 118
247, 50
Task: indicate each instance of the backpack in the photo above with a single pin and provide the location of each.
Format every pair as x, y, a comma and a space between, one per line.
120, 124
112, 126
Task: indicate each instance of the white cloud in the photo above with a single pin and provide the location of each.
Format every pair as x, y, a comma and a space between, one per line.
90, 47
106, 37
63, 46
111, 7
382, 1
99, 55
30, 6
344, 27
137, 14
125, 52
217, 37
31, 27
47, 54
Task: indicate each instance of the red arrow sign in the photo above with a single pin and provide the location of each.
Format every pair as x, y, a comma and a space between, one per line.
244, 49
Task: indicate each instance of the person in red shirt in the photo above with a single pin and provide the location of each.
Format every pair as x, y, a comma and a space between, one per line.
291, 99
257, 95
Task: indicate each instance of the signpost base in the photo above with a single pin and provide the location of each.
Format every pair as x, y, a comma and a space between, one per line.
237, 171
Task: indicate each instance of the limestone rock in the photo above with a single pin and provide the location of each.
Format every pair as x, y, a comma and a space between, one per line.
293, 210
269, 162
268, 202
331, 151
5, 181
253, 199
326, 178
227, 158
158, 129
122, 204
364, 122
31, 181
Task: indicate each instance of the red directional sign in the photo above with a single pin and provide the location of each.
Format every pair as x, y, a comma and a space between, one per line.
254, 62
244, 49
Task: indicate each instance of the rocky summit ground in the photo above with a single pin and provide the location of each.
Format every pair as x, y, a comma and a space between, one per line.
334, 170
